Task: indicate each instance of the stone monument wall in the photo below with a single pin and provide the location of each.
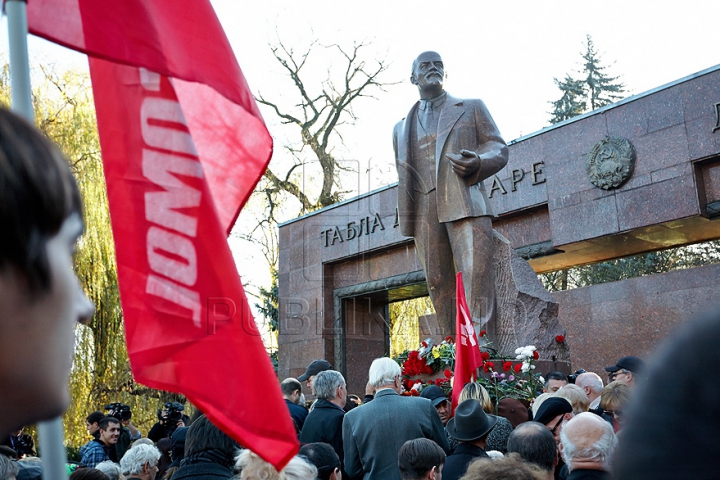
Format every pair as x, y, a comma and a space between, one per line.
340, 266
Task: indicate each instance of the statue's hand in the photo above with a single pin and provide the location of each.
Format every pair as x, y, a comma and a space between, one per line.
464, 164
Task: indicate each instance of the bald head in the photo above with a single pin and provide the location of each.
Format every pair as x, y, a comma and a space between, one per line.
587, 441
428, 74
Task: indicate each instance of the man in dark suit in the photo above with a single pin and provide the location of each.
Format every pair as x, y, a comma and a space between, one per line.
444, 149
471, 426
292, 391
373, 433
324, 423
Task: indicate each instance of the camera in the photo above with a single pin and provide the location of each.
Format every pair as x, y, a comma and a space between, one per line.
172, 413
573, 377
119, 411
21, 446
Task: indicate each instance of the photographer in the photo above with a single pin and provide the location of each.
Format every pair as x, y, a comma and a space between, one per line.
169, 419
22, 443
128, 432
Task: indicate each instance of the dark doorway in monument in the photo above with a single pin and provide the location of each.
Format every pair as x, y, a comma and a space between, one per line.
379, 318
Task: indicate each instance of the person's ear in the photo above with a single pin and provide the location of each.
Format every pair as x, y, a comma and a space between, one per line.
432, 473
413, 79
336, 474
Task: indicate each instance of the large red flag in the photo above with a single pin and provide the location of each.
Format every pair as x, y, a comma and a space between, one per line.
183, 146
467, 351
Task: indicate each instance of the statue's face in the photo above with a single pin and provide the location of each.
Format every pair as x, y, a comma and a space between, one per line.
428, 71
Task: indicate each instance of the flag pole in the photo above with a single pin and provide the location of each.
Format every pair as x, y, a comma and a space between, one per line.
19, 64
50, 431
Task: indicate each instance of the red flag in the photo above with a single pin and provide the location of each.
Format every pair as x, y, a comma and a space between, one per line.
183, 146
467, 351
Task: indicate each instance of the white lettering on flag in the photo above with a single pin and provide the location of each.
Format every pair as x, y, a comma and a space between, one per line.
161, 207
165, 110
183, 271
467, 329
176, 294
171, 252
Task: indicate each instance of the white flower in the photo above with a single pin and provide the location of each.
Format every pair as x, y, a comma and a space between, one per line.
532, 367
518, 351
525, 367
542, 380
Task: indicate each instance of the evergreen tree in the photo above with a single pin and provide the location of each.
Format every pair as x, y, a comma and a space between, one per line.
600, 88
571, 103
594, 89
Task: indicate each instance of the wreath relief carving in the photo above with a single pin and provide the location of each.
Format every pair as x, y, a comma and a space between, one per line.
610, 163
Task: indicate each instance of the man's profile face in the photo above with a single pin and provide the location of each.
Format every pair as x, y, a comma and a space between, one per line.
623, 376
444, 409
152, 470
43, 324
91, 427
110, 436
555, 385
428, 71
555, 426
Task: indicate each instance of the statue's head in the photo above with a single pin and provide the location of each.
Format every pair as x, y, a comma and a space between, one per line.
428, 73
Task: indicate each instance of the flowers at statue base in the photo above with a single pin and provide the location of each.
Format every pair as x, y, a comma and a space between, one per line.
520, 381
560, 338
527, 355
416, 365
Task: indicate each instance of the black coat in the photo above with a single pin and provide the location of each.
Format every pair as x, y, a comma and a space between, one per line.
298, 415
202, 471
324, 424
457, 463
582, 474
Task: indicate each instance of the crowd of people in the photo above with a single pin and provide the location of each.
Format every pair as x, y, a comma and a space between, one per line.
569, 432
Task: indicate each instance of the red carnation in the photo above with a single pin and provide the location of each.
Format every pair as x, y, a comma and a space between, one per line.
424, 344
483, 333
484, 355
536, 355
414, 393
560, 338
488, 366
449, 339
517, 367
507, 366
448, 373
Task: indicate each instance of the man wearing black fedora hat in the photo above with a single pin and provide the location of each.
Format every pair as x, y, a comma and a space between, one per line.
471, 426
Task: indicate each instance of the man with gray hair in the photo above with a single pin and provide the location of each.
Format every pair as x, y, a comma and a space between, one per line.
140, 462
374, 432
324, 423
111, 469
592, 384
587, 444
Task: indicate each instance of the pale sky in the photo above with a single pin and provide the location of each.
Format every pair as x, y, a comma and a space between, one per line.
504, 52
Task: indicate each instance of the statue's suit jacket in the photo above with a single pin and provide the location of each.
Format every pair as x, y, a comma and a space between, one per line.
374, 432
463, 124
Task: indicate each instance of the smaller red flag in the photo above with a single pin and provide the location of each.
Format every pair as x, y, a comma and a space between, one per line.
467, 351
